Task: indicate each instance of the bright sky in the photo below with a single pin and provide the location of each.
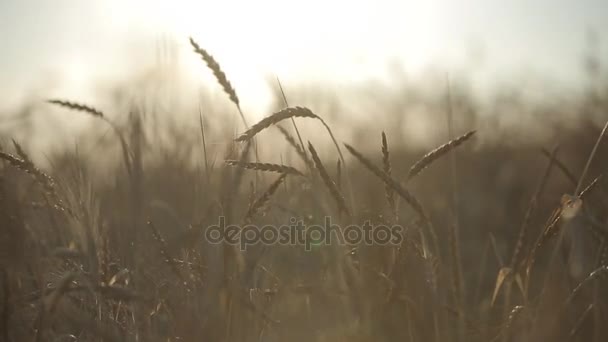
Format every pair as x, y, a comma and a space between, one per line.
344, 40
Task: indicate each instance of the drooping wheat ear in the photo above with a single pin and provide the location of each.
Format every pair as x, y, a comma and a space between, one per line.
331, 186
435, 154
386, 166
220, 76
261, 201
43, 179
268, 167
99, 114
78, 107
292, 141
291, 112
163, 249
273, 119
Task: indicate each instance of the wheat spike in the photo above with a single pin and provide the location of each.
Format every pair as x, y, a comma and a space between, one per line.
220, 76
435, 154
275, 118
268, 167
78, 107
261, 201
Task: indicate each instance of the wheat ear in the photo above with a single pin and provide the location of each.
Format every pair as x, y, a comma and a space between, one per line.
268, 167
435, 154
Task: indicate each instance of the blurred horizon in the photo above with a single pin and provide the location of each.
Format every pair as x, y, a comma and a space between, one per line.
67, 48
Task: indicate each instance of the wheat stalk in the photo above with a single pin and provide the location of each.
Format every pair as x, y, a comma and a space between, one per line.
268, 167
435, 154
331, 186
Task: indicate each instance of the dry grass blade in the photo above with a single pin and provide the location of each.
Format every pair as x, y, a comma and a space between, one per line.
268, 167
331, 186
386, 164
435, 154
260, 202
590, 159
220, 76
78, 107
579, 323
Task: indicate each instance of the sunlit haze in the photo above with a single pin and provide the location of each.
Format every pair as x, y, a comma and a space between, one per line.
77, 42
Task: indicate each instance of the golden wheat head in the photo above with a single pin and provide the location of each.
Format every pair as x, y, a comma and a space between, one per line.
435, 154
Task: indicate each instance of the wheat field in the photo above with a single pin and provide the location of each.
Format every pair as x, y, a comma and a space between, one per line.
96, 248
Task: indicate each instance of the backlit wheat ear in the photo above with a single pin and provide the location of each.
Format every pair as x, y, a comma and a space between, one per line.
275, 118
279, 168
220, 76
435, 154
78, 107
261, 202
331, 186
291, 112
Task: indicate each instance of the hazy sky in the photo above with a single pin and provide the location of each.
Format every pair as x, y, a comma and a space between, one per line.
83, 40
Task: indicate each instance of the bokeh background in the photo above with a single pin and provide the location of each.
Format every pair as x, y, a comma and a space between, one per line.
526, 76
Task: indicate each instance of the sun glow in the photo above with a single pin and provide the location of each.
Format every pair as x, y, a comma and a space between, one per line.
295, 40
